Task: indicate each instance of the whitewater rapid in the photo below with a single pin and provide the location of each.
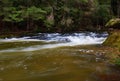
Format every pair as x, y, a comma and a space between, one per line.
73, 39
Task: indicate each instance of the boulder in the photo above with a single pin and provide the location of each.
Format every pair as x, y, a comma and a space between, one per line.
113, 23
113, 39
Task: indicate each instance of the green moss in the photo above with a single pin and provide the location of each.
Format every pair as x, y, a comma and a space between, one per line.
113, 22
117, 61
113, 39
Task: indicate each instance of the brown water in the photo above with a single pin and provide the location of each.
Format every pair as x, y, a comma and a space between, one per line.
71, 63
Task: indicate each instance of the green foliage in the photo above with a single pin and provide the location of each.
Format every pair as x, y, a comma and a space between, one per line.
104, 2
85, 1
102, 14
49, 23
115, 6
34, 13
66, 14
12, 14
117, 61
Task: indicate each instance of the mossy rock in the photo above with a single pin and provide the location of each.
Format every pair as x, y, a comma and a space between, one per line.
113, 23
113, 39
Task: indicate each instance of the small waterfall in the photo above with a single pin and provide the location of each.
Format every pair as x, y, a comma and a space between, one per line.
73, 39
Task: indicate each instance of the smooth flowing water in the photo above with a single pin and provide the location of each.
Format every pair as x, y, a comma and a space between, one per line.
54, 57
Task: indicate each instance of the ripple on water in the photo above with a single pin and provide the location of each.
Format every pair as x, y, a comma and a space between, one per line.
69, 63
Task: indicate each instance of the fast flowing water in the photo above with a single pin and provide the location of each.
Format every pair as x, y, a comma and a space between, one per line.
53, 57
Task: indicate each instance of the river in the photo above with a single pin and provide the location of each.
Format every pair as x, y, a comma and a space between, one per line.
55, 57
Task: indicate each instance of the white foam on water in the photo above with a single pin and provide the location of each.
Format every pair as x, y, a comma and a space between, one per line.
69, 40
17, 39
